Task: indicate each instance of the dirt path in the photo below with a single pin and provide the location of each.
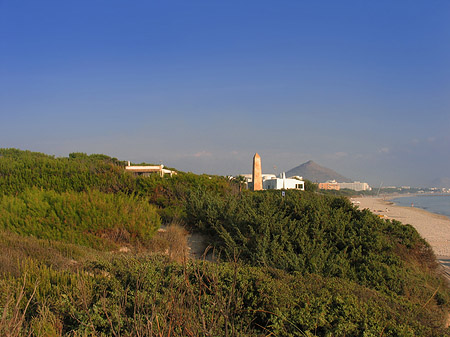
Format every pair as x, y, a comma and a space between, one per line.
198, 246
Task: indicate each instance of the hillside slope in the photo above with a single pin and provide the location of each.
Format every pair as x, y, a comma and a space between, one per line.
316, 173
441, 183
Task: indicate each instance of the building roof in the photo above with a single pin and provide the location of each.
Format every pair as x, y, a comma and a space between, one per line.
149, 169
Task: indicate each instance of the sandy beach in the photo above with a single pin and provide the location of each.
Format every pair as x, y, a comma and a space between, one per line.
434, 228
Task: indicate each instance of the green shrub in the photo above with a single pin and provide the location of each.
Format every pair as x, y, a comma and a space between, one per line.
310, 233
309, 264
90, 218
149, 296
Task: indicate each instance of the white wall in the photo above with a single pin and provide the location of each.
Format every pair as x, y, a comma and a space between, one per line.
277, 184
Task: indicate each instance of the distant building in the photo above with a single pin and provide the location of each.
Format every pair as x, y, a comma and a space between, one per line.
330, 185
356, 186
270, 181
249, 179
147, 170
284, 183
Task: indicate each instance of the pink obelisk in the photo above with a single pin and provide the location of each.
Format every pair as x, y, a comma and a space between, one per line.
257, 173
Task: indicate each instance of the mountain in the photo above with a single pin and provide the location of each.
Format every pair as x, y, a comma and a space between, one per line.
316, 173
441, 183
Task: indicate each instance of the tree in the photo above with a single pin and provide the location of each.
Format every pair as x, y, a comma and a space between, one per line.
310, 186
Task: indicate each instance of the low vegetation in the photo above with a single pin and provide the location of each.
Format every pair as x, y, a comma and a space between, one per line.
80, 255
92, 218
309, 233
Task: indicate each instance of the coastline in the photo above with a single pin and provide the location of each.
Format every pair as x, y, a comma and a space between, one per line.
392, 198
434, 228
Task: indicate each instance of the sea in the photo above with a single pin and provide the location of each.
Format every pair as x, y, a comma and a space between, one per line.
439, 204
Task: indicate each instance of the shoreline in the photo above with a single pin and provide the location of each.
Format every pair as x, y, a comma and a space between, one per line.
433, 227
418, 207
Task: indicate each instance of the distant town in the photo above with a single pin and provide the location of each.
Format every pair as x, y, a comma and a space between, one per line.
326, 179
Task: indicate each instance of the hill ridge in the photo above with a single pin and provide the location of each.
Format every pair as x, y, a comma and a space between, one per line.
316, 173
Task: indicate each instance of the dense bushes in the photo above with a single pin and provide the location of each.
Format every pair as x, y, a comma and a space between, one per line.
152, 297
307, 264
310, 233
88, 218
171, 195
22, 170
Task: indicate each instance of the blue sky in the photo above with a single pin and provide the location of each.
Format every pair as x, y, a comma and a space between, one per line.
361, 87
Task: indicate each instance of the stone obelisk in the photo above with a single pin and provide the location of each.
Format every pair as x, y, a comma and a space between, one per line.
257, 173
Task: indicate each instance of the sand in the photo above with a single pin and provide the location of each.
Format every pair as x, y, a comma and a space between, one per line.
434, 228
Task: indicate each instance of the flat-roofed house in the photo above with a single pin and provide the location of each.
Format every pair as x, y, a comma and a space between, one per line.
147, 170
283, 183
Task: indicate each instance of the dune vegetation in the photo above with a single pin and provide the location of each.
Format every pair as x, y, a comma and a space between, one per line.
81, 255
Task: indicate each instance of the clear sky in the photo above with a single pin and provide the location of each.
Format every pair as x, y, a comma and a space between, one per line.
362, 87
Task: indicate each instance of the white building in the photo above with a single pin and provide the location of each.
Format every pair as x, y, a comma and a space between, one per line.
147, 170
284, 183
249, 178
355, 186
271, 182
